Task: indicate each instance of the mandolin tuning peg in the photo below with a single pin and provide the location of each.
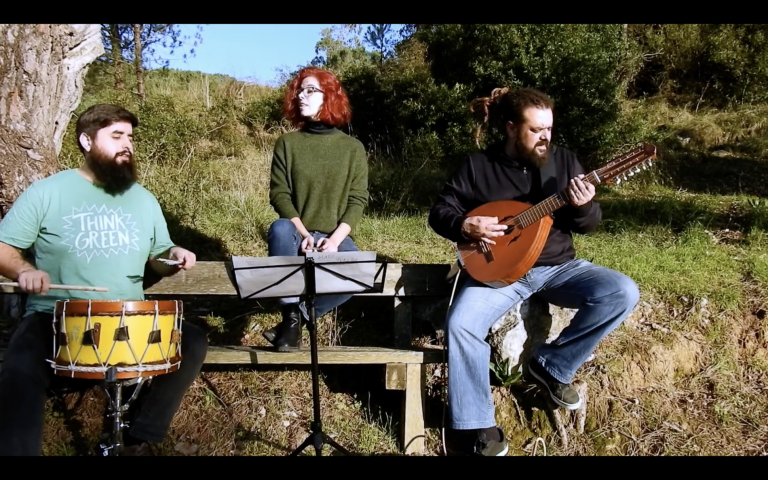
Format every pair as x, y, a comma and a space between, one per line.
618, 180
631, 172
649, 163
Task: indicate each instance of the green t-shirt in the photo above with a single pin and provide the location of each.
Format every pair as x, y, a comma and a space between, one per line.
81, 235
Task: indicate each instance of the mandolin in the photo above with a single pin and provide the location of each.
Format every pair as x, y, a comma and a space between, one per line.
528, 225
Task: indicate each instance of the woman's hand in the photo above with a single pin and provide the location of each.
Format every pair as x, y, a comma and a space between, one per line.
327, 245
308, 243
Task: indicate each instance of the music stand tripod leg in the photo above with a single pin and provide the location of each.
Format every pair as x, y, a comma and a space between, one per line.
317, 437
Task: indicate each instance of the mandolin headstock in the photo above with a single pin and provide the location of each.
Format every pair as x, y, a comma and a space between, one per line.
627, 164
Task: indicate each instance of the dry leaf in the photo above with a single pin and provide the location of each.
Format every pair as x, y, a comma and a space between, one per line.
186, 448
262, 412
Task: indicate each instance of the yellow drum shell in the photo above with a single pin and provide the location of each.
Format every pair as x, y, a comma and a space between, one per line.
105, 317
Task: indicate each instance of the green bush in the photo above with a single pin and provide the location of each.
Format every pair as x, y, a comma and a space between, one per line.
577, 65
717, 65
398, 111
265, 111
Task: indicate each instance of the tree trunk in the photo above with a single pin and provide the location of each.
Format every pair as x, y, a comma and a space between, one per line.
138, 60
117, 55
42, 69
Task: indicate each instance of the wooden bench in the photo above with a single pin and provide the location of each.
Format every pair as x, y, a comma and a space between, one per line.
405, 364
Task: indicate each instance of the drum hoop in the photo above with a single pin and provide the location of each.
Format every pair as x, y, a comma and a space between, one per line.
110, 307
174, 362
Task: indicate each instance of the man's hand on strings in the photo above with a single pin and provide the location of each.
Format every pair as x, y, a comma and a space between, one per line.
580, 192
483, 228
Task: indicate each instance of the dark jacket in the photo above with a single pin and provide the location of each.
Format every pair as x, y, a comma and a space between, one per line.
490, 176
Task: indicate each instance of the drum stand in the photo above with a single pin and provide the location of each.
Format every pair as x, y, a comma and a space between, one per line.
113, 444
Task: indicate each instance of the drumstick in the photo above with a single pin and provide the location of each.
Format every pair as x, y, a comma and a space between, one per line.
61, 287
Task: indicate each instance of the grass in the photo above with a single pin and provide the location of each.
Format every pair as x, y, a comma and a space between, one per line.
686, 374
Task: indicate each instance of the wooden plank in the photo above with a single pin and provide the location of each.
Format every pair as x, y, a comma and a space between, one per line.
326, 355
395, 376
216, 278
237, 355
413, 409
205, 278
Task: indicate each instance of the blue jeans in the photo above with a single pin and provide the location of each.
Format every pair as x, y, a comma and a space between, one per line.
603, 297
283, 240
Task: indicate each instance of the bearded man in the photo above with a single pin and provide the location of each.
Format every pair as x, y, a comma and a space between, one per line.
89, 226
512, 170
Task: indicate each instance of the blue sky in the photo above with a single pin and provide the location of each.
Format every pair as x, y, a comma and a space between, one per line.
251, 52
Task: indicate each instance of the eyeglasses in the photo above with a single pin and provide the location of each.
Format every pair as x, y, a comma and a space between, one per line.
310, 90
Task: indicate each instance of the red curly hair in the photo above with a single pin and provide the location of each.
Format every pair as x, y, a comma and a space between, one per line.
335, 109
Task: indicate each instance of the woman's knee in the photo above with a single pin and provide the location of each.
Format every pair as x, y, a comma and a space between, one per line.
348, 245
282, 228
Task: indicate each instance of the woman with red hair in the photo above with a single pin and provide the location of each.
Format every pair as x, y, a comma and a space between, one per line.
318, 187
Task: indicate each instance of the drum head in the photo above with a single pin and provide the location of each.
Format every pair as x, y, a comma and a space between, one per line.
110, 307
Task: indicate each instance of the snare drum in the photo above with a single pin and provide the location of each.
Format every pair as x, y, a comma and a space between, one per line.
136, 338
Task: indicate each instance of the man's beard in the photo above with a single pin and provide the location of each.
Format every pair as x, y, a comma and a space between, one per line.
532, 156
115, 177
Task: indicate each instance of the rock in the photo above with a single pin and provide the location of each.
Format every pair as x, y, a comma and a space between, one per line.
186, 448
526, 326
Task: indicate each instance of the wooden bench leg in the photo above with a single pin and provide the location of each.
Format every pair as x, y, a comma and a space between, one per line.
413, 409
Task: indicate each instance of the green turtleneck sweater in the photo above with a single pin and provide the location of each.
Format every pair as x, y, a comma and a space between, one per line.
319, 174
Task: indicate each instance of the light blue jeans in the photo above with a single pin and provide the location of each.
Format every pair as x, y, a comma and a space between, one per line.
284, 240
603, 297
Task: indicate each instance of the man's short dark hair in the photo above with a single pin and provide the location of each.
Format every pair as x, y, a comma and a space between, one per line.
101, 116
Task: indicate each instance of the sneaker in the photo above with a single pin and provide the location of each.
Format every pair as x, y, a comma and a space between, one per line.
562, 393
490, 447
476, 442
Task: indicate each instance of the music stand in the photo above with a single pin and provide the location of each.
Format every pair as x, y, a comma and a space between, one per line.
289, 269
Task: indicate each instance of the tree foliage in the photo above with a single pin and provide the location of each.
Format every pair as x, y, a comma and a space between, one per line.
410, 89
153, 35
121, 42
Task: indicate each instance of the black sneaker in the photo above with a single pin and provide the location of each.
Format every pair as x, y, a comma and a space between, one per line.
484, 442
562, 393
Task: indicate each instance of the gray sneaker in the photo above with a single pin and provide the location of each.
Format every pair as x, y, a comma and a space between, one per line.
475, 442
562, 393
486, 447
